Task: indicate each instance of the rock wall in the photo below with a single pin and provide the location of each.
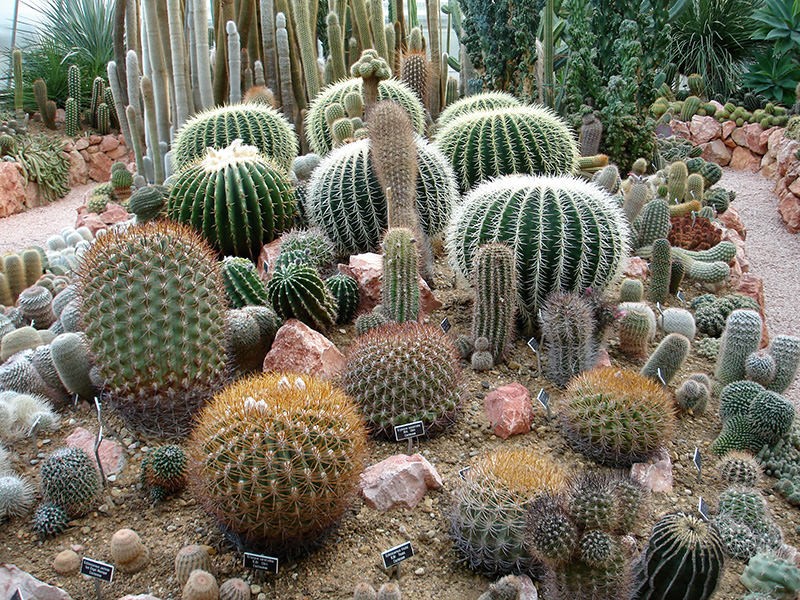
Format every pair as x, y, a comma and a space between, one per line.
750, 147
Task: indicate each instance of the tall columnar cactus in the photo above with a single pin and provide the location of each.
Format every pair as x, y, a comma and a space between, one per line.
494, 278
415, 71
46, 107
525, 139
668, 358
234, 63
236, 198
336, 45
284, 66
346, 201
565, 233
71, 117
785, 349
255, 124
652, 223
400, 285
567, 326
306, 468
103, 119
98, 96
608, 178
742, 337
159, 344
181, 86
74, 84
243, 286
16, 60
660, 271
296, 291
676, 181
636, 197
684, 558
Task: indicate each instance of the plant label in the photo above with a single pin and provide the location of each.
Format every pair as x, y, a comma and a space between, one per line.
681, 297
694, 215
463, 472
394, 556
261, 562
702, 508
445, 325
409, 431
16, 595
661, 377
533, 344
544, 399
698, 462
97, 570
659, 310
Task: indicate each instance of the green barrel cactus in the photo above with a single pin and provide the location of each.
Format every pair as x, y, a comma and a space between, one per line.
153, 306
235, 198
69, 479
773, 574
243, 286
297, 291
740, 468
475, 103
345, 290
531, 140
148, 202
164, 471
255, 124
566, 234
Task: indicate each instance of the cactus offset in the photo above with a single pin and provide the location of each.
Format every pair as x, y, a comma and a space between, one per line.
567, 325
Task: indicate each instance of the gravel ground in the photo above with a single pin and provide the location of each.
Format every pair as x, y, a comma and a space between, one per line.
774, 253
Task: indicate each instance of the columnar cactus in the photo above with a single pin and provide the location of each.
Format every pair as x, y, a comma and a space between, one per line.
785, 349
742, 337
660, 271
694, 188
400, 285
297, 291
668, 358
608, 178
652, 223
243, 286
237, 199
760, 367
637, 327
526, 139
71, 112
495, 281
72, 361
103, 119
567, 325
565, 233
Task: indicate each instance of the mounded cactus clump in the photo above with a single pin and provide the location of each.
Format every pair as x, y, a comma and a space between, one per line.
153, 306
69, 479
276, 459
164, 471
402, 373
566, 234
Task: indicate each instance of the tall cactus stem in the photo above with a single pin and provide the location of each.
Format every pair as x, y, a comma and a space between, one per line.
268, 46
307, 41
136, 138
150, 111
377, 26
203, 67
177, 44
336, 45
433, 37
119, 107
234, 63
17, 60
359, 14
284, 66
158, 69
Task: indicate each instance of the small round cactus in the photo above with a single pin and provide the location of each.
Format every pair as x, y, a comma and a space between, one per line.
297, 291
148, 202
49, 520
130, 555
693, 396
201, 585
234, 589
69, 479
760, 367
164, 471
16, 496
191, 558
344, 289
740, 468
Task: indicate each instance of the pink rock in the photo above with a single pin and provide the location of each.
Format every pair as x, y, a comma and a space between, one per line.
61, 116
738, 135
522, 584
90, 220
744, 160
752, 285
680, 129
602, 359
656, 474
509, 410
109, 143
82, 143
786, 156
636, 267
12, 189
269, 255
704, 129
770, 169
112, 455
93, 149
367, 269
114, 214
789, 209
299, 349
95, 139
78, 171
774, 140
398, 481
118, 153
13, 578
731, 235
752, 136
139, 597
727, 129
765, 135
731, 220
717, 152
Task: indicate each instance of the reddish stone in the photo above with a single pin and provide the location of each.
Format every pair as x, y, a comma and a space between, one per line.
509, 410
400, 481
78, 171
99, 167
112, 455
717, 152
774, 140
268, 256
731, 219
765, 135
93, 149
786, 155
704, 129
789, 209
744, 160
114, 214
95, 139
770, 169
90, 220
299, 349
656, 474
118, 153
82, 143
727, 129
738, 135
109, 143
12, 578
602, 359
12, 189
680, 129
636, 267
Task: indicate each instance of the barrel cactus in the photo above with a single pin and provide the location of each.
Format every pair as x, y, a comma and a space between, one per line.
276, 459
255, 124
521, 139
475, 103
237, 199
243, 286
69, 479
344, 289
164, 471
297, 291
153, 305
566, 234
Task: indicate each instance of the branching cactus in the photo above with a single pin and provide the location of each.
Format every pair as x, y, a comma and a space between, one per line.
495, 282
400, 287
742, 337
567, 326
372, 69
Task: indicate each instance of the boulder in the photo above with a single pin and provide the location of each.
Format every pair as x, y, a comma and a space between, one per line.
717, 152
739, 137
112, 455
680, 129
398, 481
299, 349
731, 220
109, 143
268, 255
753, 138
509, 410
78, 171
13, 578
727, 129
12, 189
789, 209
704, 129
99, 165
655, 474
744, 160
636, 267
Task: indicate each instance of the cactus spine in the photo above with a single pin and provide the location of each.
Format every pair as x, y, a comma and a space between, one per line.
567, 326
400, 288
495, 282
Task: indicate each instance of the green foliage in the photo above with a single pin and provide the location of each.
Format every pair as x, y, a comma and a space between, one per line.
43, 161
774, 75
778, 21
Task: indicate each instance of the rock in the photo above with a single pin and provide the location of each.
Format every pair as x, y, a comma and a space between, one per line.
367, 269
299, 349
731, 219
61, 116
738, 135
139, 597
99, 166
398, 481
109, 143
509, 410
752, 285
82, 143
744, 160
753, 138
727, 129
78, 171
268, 256
764, 138
119, 152
704, 129
67, 562
12, 579
636, 267
114, 214
602, 359
731, 235
656, 474
680, 129
717, 152
774, 140
12, 189
786, 155
90, 220
112, 455
789, 208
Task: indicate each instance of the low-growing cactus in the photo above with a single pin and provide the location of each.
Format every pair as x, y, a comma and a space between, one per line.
35, 304
567, 326
314, 246
740, 468
164, 471
760, 367
250, 332
344, 289
742, 337
631, 290
297, 291
49, 520
16, 496
637, 327
243, 286
678, 320
481, 359
372, 320
667, 358
69, 479
148, 202
72, 361
771, 573
693, 396
495, 283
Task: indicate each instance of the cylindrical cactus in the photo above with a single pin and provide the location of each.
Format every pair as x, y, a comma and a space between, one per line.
541, 219
400, 285
677, 320
637, 327
660, 271
305, 467
35, 304
69, 479
785, 349
760, 367
243, 286
667, 358
71, 113
567, 326
742, 337
695, 188
495, 281
652, 223
103, 119
72, 361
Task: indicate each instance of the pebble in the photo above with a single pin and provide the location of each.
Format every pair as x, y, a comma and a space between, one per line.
85, 529
419, 571
255, 589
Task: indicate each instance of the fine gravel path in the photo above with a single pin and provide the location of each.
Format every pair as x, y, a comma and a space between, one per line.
33, 227
774, 253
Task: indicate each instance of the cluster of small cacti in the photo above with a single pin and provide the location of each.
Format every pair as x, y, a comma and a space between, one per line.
21, 414
164, 471
712, 311
693, 394
745, 524
768, 116
694, 233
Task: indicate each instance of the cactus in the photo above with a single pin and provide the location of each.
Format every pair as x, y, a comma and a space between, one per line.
369, 321
740, 468
22, 338
103, 119
49, 520
676, 275
310, 487
668, 358
711, 173
415, 73
771, 573
16, 276
637, 327
505, 141
312, 244
400, 285
736, 398
487, 516
476, 103
631, 290
16, 60
537, 217
652, 223
255, 124
69, 479
481, 359
693, 396
742, 337
35, 304
250, 332
711, 311
494, 280
751, 417
47, 108
372, 69
346, 201
760, 367
345, 290
660, 271
616, 417
785, 350
676, 181
148, 203
243, 286
677, 320
567, 326
16, 496
296, 291
71, 117
690, 107
591, 132
403, 373
153, 262
42, 361
695, 188
608, 178
163, 471
771, 416
72, 361
684, 558
718, 199
236, 198
636, 197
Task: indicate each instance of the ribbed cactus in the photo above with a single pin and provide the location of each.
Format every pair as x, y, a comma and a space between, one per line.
740, 468
307, 471
676, 181
148, 202
71, 112
237, 199
771, 573
35, 304
243, 286
567, 326
103, 119
98, 96
415, 73
345, 290
525, 139
631, 290
695, 188
249, 333
785, 349
488, 513
635, 199
495, 282
652, 223
590, 134
153, 306
667, 358
372, 69
296, 291
16, 60
47, 108
676, 275
616, 417
742, 337
751, 417
403, 373
400, 285
660, 271
164, 471
565, 233
49, 520
72, 361
690, 107
69, 479
255, 124
346, 201
16, 496
608, 178
476, 103
684, 559
760, 367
